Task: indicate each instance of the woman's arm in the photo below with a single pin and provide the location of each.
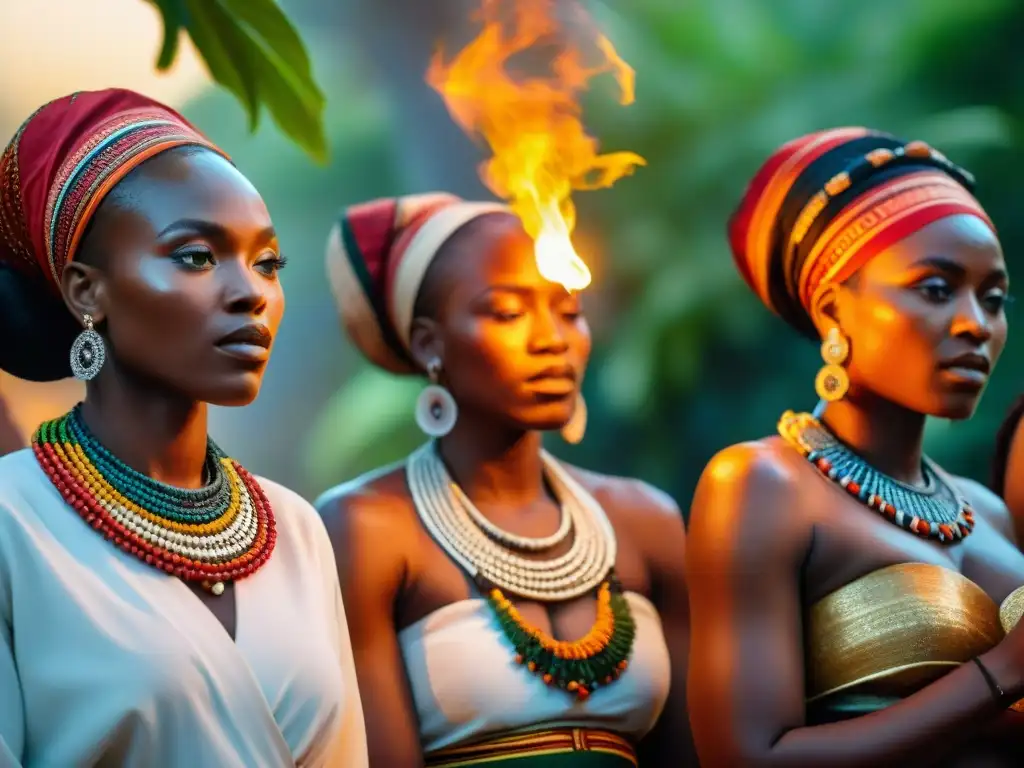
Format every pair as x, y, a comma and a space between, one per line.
658, 525
747, 541
371, 570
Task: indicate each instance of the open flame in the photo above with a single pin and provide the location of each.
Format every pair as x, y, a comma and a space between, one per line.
540, 150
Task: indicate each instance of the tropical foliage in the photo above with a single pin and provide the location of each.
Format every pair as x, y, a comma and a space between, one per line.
252, 49
686, 361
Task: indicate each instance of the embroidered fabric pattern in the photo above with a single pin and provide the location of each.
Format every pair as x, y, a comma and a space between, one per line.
118, 147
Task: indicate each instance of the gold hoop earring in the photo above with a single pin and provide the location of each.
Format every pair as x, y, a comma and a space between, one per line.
832, 382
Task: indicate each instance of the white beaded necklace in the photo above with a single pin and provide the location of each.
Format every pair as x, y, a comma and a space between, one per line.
445, 511
512, 540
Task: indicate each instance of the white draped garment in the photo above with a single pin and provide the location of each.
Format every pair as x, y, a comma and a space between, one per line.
106, 661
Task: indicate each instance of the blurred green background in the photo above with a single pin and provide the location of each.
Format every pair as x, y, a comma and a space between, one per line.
686, 361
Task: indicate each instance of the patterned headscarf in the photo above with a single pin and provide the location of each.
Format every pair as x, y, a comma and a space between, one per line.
64, 160
824, 204
377, 256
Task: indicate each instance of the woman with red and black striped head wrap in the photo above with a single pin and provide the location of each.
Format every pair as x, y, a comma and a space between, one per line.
439, 555
871, 579
159, 605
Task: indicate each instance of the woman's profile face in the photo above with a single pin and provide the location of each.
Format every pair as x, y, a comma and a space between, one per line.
513, 345
926, 319
183, 283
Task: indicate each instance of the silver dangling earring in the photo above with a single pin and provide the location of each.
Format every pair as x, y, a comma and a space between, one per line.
576, 427
87, 353
436, 410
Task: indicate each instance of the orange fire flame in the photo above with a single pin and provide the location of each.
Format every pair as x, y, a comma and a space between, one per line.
540, 150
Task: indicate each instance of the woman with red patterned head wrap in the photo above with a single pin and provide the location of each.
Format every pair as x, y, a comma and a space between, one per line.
159, 605
846, 591
481, 548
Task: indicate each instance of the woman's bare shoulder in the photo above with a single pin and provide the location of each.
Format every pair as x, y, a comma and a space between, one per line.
619, 495
375, 500
751, 501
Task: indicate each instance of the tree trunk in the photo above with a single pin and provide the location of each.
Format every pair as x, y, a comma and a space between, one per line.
396, 39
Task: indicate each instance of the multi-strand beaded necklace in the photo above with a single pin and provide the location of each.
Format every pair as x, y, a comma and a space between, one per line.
222, 532
936, 511
497, 561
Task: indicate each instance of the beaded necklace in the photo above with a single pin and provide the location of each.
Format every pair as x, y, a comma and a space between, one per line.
936, 511
485, 553
222, 532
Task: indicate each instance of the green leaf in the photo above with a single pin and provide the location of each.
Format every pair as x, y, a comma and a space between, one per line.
293, 109
224, 48
266, 20
173, 15
284, 73
252, 50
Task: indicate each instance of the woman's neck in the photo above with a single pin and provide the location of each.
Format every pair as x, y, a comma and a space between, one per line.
162, 436
888, 436
489, 463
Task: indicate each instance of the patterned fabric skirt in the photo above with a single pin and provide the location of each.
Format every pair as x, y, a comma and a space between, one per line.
556, 748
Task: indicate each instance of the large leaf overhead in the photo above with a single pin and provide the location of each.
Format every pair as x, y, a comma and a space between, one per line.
252, 49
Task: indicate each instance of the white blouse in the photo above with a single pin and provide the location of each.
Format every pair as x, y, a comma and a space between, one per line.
106, 661
467, 686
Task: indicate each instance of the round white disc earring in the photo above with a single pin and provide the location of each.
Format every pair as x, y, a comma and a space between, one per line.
88, 352
436, 410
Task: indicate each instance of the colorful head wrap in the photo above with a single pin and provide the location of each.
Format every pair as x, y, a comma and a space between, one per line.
824, 204
377, 256
64, 160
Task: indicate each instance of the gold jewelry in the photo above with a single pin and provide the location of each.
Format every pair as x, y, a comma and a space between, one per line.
1010, 613
832, 381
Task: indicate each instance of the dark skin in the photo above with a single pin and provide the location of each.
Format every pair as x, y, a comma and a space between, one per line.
1013, 486
10, 436
494, 322
181, 254
769, 537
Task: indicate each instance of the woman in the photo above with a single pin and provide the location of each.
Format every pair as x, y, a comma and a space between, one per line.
846, 590
481, 550
1008, 465
200, 623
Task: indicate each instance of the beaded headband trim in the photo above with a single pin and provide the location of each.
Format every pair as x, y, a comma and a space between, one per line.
791, 237
116, 148
776, 187
877, 220
915, 152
